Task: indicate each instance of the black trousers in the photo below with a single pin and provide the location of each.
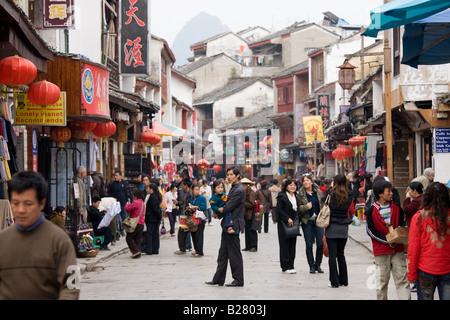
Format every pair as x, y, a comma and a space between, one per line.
107, 233
152, 238
197, 238
230, 249
336, 262
251, 236
287, 249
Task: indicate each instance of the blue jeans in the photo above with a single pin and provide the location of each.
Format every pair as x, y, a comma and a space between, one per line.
427, 284
311, 232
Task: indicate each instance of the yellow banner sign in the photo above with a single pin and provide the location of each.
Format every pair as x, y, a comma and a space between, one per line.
313, 126
28, 113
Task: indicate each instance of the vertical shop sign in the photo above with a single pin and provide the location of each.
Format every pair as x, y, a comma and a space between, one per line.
323, 107
34, 142
58, 14
134, 44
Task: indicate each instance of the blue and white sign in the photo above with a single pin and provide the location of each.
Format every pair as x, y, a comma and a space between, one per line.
442, 140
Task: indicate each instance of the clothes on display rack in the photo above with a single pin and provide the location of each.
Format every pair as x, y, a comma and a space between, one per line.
6, 215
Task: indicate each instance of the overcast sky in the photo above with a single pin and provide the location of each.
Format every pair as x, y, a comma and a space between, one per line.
170, 16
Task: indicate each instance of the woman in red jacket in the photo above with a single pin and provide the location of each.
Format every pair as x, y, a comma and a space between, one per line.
429, 244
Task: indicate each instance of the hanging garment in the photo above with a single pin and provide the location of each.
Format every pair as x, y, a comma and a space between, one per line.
6, 215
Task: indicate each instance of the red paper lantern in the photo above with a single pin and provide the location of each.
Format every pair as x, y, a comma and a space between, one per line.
356, 141
87, 126
268, 141
342, 152
78, 133
150, 137
217, 168
44, 93
104, 130
247, 145
16, 71
203, 165
60, 135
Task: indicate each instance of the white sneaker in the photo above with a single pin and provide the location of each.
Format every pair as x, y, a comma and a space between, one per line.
291, 271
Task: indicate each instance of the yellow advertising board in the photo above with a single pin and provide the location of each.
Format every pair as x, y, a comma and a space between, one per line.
30, 114
313, 125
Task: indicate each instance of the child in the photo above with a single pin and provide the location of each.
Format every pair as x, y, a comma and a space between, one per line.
218, 200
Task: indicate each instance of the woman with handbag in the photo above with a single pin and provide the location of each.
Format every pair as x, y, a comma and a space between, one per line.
288, 216
310, 198
153, 218
196, 204
337, 231
136, 210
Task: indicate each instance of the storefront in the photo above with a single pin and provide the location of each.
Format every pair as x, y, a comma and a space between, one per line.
18, 38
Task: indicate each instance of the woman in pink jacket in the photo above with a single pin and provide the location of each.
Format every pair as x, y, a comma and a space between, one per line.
136, 208
429, 244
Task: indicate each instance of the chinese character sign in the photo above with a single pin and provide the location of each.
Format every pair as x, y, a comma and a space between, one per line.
323, 107
94, 90
58, 14
134, 45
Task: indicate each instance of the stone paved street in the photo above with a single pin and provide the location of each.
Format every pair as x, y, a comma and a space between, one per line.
171, 277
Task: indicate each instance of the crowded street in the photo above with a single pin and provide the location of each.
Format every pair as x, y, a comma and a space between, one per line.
167, 276
232, 152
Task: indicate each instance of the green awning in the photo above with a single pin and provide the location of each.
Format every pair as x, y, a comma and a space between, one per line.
401, 12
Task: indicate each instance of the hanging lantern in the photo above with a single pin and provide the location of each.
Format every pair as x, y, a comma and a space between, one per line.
342, 153
60, 135
78, 133
104, 130
44, 93
358, 143
268, 141
217, 168
203, 165
347, 75
87, 126
16, 71
247, 145
150, 138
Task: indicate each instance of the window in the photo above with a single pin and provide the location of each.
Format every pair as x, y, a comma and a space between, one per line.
289, 94
239, 112
281, 95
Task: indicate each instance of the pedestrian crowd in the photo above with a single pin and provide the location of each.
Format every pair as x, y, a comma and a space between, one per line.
245, 207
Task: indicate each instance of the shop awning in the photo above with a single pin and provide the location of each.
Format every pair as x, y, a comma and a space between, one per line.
427, 41
402, 12
163, 129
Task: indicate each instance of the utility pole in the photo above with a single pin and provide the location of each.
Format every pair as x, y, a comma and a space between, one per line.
387, 104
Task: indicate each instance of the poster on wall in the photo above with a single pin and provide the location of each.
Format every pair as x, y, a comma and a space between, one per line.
134, 43
58, 14
313, 126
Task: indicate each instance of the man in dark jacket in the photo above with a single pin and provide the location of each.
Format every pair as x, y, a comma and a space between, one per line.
120, 189
251, 235
230, 247
96, 217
